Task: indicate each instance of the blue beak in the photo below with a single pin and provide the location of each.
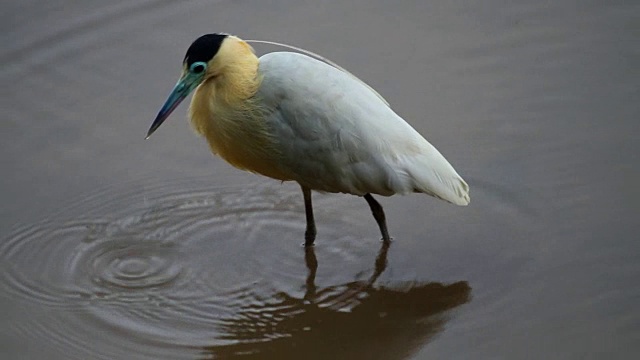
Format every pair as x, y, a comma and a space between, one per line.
183, 88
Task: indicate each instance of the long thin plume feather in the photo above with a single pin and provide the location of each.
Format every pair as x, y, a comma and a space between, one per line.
323, 59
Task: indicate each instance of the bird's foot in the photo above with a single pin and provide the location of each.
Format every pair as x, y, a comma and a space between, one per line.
308, 240
309, 236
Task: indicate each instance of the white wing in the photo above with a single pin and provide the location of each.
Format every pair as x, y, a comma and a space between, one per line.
335, 135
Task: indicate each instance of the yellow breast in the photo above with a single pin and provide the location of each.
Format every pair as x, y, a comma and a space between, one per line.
236, 132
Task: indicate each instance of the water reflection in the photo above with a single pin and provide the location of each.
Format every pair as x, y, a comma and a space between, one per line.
354, 320
536, 102
191, 270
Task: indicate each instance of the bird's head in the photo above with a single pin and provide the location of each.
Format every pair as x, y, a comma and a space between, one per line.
210, 57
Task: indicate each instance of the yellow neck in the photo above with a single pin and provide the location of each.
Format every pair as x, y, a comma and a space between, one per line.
225, 111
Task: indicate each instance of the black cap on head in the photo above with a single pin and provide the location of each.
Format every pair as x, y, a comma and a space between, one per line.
204, 48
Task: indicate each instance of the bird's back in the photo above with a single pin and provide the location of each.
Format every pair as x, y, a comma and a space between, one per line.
336, 135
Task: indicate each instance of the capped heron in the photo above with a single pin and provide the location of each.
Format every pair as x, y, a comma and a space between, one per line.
291, 117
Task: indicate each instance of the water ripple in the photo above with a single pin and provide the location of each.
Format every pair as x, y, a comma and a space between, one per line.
171, 272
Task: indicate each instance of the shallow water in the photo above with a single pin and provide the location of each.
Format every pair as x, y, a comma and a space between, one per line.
112, 247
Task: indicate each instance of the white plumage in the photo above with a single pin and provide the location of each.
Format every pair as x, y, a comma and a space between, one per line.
336, 135
292, 117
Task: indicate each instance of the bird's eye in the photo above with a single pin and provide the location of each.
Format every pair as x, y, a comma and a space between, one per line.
198, 67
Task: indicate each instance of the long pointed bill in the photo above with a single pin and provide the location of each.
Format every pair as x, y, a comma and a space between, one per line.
183, 88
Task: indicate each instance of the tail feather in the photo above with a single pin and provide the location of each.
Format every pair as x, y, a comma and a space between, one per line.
432, 174
452, 189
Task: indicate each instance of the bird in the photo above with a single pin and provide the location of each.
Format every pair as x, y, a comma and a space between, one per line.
293, 117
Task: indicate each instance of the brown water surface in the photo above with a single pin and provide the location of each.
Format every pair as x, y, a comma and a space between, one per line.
112, 247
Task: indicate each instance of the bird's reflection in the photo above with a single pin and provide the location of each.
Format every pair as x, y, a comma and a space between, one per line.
356, 320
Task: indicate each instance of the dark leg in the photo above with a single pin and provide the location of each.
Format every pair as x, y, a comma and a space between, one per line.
312, 265
381, 262
310, 233
378, 214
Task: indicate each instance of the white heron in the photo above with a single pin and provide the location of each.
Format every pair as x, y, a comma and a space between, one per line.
291, 117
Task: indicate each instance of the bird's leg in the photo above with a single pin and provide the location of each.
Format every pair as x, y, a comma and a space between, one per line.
381, 262
378, 214
310, 233
312, 265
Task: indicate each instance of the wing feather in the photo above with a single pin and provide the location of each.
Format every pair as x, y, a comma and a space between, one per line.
336, 135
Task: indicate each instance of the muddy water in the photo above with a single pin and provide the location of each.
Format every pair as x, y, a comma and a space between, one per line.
112, 247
